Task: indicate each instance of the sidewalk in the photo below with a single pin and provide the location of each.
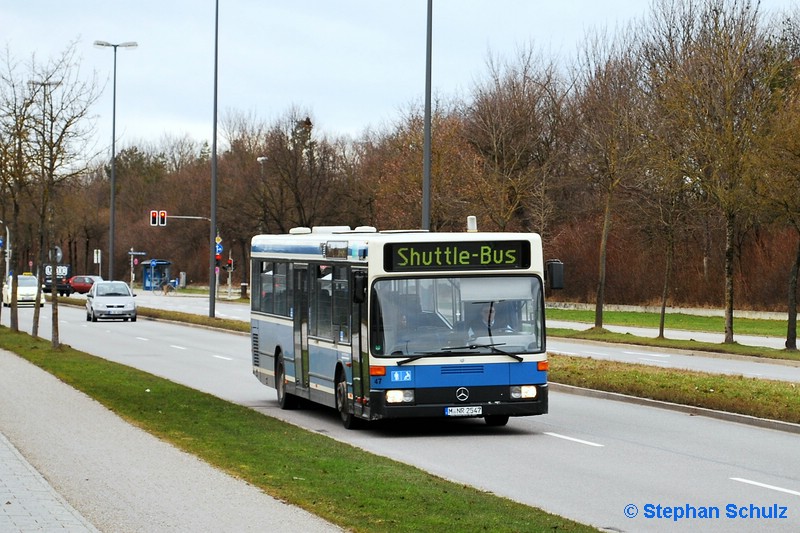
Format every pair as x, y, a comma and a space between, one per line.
68, 464
28, 502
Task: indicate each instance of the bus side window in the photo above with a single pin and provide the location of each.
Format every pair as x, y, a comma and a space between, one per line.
266, 287
255, 285
341, 304
377, 330
321, 324
280, 289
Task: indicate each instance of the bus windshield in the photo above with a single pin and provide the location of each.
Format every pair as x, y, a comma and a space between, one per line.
469, 315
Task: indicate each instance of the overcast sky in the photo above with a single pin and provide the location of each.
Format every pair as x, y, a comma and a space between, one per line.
352, 64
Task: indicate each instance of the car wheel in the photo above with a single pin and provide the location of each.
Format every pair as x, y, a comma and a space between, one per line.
94, 317
88, 317
133, 318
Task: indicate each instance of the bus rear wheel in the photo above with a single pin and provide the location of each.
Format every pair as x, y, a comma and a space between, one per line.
286, 401
496, 420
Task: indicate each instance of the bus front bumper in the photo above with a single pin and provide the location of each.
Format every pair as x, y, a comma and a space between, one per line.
433, 403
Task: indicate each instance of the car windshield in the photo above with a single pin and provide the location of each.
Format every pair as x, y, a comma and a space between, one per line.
113, 289
469, 315
27, 281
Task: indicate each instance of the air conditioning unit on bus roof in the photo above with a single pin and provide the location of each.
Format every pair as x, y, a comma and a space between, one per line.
332, 229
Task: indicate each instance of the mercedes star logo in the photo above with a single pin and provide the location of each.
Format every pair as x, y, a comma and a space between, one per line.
462, 394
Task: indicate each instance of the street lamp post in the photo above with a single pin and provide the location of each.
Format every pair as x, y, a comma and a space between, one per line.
426, 143
213, 270
105, 44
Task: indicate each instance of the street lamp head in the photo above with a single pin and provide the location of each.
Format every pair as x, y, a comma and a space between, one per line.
262, 159
126, 44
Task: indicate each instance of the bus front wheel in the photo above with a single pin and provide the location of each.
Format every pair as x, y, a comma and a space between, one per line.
496, 420
286, 401
348, 419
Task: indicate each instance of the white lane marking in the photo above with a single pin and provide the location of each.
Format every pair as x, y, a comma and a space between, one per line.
223, 357
573, 439
142, 339
646, 354
764, 485
655, 361
177, 347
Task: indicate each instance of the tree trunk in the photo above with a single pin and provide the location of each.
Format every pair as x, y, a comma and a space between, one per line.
730, 225
665, 290
791, 326
601, 275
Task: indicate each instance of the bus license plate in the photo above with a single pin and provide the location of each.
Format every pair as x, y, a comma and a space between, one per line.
463, 411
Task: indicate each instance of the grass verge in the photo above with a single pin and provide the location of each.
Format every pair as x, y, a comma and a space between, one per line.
773, 400
741, 326
603, 335
343, 484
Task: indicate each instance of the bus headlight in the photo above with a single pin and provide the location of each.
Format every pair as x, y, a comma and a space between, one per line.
523, 392
399, 396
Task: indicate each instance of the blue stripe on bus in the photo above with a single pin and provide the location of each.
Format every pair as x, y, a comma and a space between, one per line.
425, 376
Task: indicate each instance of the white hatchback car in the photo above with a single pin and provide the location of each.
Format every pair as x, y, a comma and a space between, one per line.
110, 300
26, 290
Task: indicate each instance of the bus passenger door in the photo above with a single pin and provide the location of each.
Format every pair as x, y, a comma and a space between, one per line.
360, 354
301, 326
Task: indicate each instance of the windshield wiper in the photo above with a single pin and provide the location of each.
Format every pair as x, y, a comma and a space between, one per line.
494, 348
439, 353
449, 352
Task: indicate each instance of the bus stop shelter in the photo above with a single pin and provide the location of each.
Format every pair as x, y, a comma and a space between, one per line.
154, 273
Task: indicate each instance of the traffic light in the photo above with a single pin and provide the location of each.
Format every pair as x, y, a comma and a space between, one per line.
218, 257
162, 218
230, 265
154, 218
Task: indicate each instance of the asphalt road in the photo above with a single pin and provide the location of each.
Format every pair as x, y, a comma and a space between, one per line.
589, 459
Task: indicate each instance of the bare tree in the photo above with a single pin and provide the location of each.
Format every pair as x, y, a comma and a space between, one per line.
610, 141
16, 108
780, 183
51, 141
721, 96
516, 124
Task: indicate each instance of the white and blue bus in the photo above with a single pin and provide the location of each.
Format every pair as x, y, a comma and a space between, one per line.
383, 325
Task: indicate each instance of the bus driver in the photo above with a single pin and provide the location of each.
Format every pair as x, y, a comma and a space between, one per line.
485, 325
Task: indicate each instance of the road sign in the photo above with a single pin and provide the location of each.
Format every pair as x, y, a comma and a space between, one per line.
153, 263
218, 239
218, 249
57, 252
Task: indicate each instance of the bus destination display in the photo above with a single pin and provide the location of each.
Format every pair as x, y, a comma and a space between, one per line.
478, 255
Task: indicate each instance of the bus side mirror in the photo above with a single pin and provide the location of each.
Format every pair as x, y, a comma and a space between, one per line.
554, 274
359, 287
